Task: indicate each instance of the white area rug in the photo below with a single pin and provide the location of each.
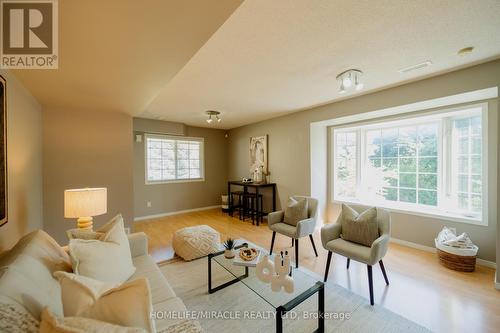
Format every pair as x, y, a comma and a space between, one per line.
189, 281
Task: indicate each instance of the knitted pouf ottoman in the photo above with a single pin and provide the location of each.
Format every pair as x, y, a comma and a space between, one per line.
195, 242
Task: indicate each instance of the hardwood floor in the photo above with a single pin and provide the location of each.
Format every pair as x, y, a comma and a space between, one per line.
420, 288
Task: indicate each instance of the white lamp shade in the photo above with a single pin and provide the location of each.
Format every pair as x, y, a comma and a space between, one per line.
85, 202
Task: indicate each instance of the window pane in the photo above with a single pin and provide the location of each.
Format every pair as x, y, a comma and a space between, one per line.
375, 162
427, 137
408, 165
408, 195
427, 181
476, 184
391, 194
407, 141
390, 150
408, 180
346, 173
428, 164
390, 164
427, 198
467, 153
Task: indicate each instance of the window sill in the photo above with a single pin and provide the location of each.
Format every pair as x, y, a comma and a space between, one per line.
418, 212
176, 181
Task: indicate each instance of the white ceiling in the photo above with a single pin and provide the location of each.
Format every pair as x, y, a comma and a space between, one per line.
272, 57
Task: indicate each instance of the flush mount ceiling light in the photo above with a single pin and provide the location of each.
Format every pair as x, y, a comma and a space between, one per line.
349, 79
214, 114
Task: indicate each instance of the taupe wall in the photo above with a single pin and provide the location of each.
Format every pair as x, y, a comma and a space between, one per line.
24, 149
173, 197
86, 149
289, 150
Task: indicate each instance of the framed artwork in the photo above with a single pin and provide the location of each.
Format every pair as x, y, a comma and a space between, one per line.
258, 153
3, 153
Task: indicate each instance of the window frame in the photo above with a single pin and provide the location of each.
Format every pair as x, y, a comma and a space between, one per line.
200, 140
444, 117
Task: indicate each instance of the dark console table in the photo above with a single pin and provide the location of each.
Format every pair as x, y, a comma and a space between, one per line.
256, 186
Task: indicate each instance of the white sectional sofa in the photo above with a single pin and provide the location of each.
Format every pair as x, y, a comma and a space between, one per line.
26, 276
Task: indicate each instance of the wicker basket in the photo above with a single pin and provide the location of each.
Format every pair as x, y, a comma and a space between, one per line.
456, 262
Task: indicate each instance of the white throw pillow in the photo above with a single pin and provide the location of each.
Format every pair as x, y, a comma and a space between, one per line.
107, 259
126, 305
52, 324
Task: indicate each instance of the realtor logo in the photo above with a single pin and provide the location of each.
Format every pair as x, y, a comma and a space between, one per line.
29, 34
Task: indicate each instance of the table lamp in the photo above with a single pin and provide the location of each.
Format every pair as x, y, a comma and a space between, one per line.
85, 203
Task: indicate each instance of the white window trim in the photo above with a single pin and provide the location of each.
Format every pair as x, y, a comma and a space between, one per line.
180, 138
442, 174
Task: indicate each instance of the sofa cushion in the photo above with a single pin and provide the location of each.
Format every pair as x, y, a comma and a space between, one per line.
53, 324
284, 229
147, 268
347, 249
107, 259
127, 305
168, 313
26, 273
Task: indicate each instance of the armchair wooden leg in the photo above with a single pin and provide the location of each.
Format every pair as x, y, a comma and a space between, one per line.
314, 246
327, 265
383, 272
272, 242
297, 253
370, 282
348, 262
293, 241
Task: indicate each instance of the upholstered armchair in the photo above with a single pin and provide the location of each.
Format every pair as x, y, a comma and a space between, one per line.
333, 243
304, 228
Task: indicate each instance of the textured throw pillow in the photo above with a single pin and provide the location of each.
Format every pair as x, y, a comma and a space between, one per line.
296, 210
107, 259
126, 305
16, 319
52, 324
359, 228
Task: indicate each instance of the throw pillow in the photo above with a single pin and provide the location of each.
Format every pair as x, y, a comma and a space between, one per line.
52, 324
14, 318
359, 228
107, 259
296, 210
126, 305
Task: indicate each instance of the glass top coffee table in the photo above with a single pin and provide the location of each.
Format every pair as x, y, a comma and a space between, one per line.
305, 286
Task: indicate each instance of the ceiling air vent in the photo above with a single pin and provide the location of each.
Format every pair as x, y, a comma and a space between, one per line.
415, 67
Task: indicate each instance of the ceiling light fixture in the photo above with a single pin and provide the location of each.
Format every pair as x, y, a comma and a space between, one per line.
215, 114
348, 79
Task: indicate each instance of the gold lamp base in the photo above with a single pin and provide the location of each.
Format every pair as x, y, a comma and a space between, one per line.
85, 223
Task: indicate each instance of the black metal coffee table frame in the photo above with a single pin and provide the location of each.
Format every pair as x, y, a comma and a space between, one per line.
319, 288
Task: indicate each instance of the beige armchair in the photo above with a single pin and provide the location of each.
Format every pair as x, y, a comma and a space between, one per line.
304, 228
330, 237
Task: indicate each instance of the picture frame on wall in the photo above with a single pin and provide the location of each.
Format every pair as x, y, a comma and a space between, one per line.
3, 154
258, 153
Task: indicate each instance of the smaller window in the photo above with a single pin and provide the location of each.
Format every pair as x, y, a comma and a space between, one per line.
173, 159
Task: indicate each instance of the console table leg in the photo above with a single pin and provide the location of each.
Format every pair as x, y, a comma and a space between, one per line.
321, 309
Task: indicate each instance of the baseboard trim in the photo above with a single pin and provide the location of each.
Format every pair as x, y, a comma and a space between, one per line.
155, 216
497, 284
480, 262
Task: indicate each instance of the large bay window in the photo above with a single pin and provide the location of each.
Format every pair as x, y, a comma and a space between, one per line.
430, 164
